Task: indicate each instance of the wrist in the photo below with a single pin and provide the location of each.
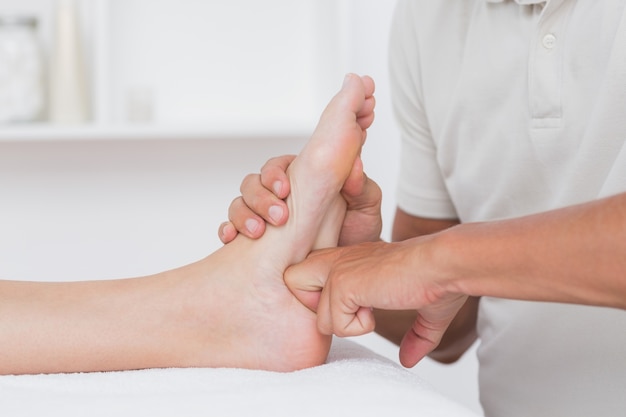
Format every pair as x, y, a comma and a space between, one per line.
458, 256
484, 259
434, 264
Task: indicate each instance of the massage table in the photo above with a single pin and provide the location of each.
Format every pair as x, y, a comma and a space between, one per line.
353, 382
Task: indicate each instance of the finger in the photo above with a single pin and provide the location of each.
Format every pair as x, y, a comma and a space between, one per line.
363, 193
340, 311
307, 279
244, 220
274, 175
363, 221
359, 190
227, 232
355, 182
345, 317
421, 339
261, 202
310, 299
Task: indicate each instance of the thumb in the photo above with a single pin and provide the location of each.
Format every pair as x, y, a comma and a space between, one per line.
353, 187
429, 327
418, 342
306, 280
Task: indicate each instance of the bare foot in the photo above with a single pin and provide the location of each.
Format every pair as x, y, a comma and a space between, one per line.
252, 319
231, 309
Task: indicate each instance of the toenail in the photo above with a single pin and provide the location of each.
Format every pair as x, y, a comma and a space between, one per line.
347, 79
252, 225
276, 213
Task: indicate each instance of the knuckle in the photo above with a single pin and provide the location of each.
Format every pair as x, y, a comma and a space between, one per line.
248, 181
235, 205
238, 211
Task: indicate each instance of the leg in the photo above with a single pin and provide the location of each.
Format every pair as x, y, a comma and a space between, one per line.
231, 309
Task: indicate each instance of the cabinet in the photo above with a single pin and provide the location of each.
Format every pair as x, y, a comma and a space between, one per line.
200, 68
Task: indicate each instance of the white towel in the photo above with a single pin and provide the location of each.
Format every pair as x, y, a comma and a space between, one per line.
353, 382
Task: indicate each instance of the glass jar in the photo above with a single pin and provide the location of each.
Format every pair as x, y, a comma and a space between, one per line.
21, 70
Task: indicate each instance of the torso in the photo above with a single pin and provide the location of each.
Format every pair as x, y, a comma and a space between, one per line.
520, 109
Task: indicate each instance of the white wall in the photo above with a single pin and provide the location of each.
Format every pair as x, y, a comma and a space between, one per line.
96, 210
100, 210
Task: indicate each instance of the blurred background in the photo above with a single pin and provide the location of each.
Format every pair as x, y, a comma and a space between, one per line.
126, 127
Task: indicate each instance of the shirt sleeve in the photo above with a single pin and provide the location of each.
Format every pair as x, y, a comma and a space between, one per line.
421, 189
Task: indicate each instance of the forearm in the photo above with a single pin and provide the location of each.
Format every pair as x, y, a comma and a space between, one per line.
88, 326
572, 255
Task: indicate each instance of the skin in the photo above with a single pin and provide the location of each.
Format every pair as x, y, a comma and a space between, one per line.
263, 193
416, 291
392, 325
230, 309
570, 255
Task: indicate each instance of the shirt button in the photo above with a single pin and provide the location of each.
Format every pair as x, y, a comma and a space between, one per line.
549, 41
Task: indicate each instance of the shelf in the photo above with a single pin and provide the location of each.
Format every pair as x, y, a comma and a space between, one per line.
86, 133
276, 60
222, 70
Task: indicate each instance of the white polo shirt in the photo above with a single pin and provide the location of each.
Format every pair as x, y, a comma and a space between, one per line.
508, 108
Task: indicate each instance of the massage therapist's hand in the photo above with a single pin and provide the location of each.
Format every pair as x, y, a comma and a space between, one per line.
343, 285
262, 198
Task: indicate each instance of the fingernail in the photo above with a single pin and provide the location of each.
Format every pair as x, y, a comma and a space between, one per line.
278, 187
227, 228
276, 213
252, 225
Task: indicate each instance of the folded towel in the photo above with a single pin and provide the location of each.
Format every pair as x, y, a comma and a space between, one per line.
354, 382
